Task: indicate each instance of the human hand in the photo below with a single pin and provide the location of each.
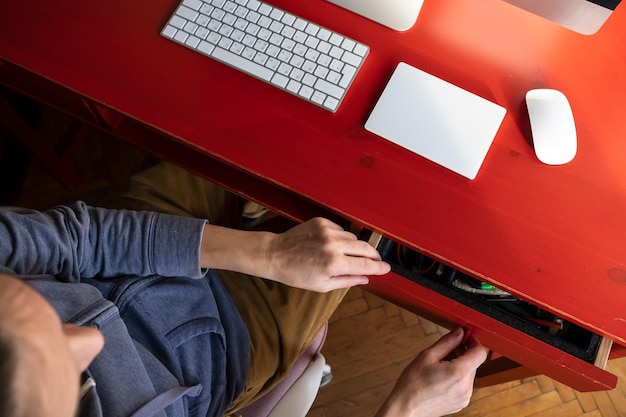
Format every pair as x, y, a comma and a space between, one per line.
434, 385
319, 255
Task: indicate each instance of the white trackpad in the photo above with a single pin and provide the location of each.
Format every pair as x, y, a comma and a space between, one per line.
436, 119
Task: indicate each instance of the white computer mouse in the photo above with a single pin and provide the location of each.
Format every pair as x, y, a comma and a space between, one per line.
552, 126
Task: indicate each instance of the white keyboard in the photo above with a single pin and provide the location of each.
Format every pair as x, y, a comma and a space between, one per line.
291, 53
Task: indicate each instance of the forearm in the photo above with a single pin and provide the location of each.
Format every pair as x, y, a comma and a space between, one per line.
81, 242
389, 409
236, 250
316, 255
397, 406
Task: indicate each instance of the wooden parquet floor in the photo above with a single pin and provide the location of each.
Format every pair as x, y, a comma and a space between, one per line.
370, 340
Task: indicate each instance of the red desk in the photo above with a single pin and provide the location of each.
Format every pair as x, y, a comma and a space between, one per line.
554, 236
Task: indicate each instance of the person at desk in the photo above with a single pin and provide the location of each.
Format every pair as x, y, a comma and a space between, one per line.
116, 313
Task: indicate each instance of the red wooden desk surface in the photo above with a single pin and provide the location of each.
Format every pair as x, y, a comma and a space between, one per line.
553, 235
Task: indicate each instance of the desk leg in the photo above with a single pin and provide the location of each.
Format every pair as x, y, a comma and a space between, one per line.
498, 369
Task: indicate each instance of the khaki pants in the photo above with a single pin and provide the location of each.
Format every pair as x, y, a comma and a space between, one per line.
282, 321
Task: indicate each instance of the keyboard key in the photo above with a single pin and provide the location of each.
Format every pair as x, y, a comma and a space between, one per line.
265, 9
280, 80
361, 50
331, 103
242, 63
192, 42
293, 86
348, 44
187, 13
169, 31
300, 24
350, 58
193, 4
318, 97
328, 88
206, 47
254, 4
181, 36
305, 92
347, 76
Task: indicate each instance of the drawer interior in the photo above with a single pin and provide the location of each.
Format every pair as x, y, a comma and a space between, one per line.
490, 301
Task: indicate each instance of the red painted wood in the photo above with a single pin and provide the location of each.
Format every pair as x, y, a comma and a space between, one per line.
511, 343
552, 235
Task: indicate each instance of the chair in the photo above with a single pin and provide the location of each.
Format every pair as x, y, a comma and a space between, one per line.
294, 396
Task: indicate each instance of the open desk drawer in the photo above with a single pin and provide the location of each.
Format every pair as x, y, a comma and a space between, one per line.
517, 330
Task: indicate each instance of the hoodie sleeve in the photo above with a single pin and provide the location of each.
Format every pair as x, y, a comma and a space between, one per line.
78, 241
